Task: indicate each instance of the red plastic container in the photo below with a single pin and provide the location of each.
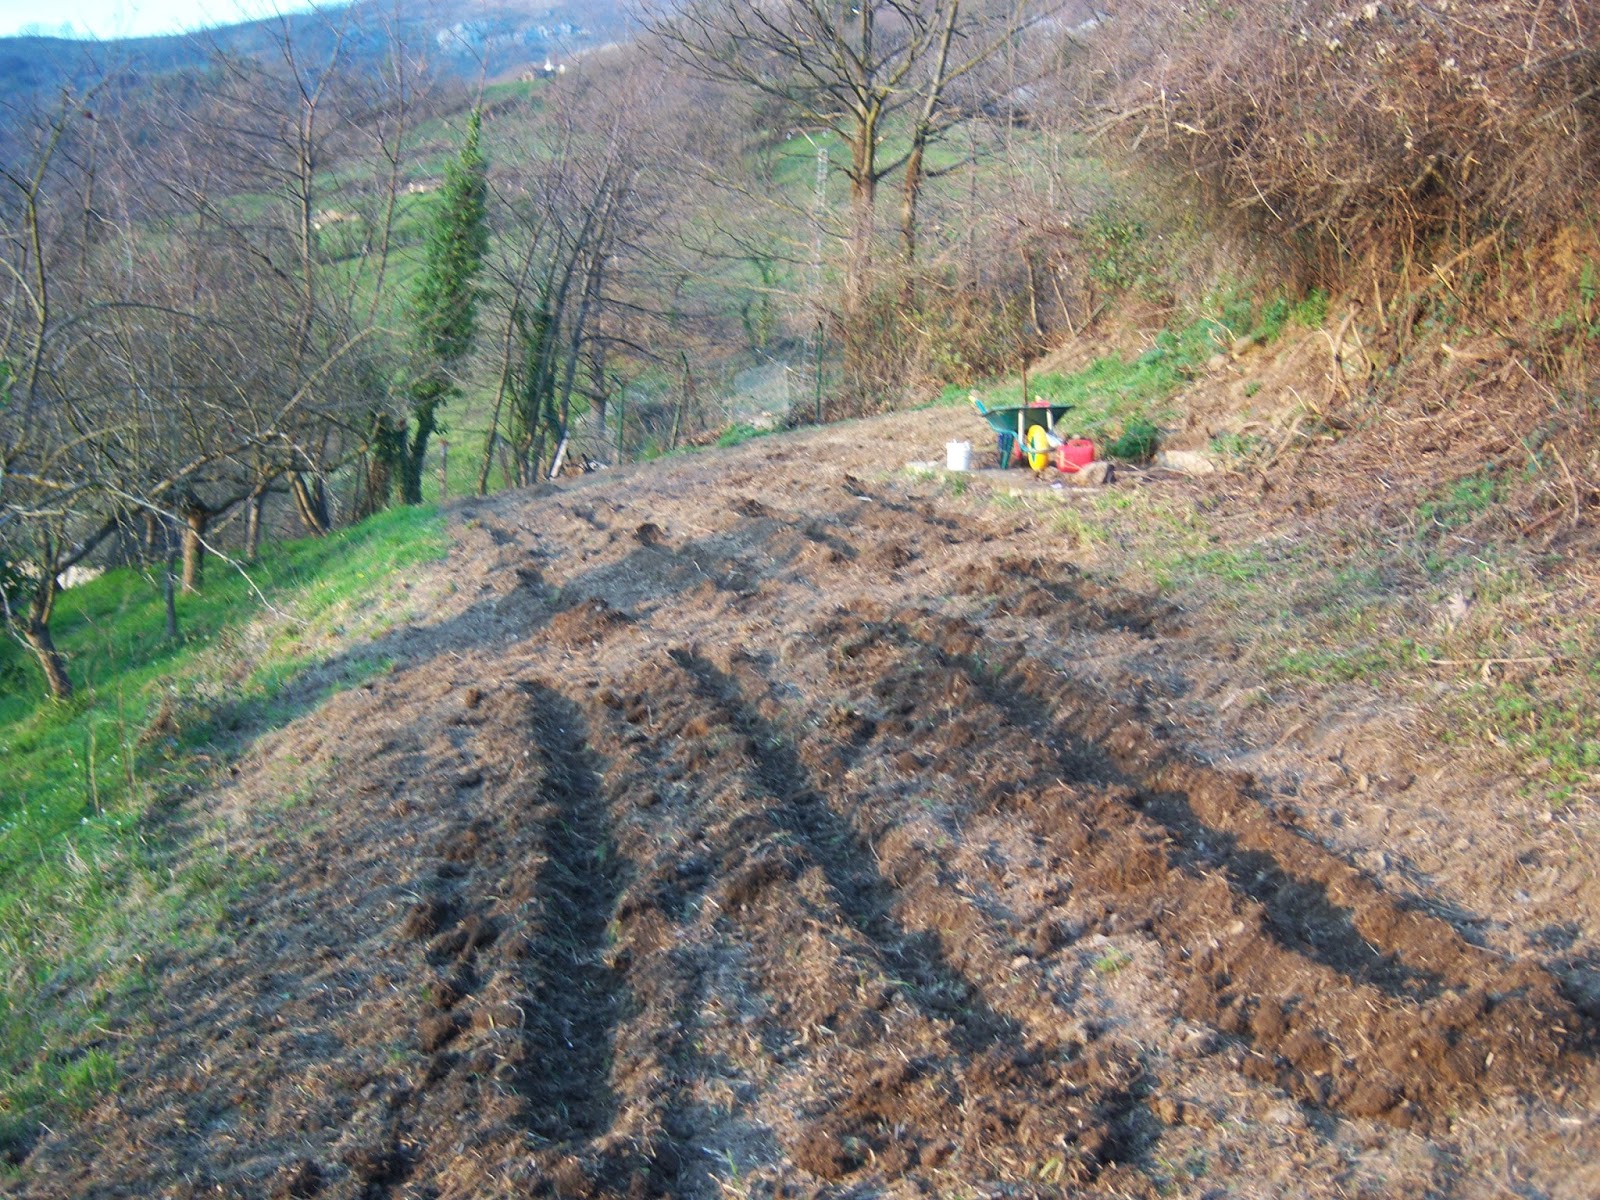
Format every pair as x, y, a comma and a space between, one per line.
1073, 454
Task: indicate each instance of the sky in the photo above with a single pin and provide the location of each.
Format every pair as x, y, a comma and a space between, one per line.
131, 18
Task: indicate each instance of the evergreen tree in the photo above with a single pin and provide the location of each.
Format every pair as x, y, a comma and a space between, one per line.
445, 307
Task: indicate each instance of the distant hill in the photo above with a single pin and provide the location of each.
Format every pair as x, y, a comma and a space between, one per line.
460, 37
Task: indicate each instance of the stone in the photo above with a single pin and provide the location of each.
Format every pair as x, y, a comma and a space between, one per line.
1187, 462
1095, 474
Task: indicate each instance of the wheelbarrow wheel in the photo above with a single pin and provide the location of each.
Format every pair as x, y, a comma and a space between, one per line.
1037, 444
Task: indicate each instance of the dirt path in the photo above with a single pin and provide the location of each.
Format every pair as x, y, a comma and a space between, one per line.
766, 823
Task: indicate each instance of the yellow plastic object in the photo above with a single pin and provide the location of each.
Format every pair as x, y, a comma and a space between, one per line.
1037, 446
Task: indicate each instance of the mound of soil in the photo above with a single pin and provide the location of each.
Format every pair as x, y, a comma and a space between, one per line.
765, 824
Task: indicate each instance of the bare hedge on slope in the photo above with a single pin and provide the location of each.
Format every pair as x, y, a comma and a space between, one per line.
1397, 128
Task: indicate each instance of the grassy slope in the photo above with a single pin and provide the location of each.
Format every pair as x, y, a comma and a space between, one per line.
90, 880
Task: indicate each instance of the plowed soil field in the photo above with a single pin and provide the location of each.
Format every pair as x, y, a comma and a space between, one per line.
775, 823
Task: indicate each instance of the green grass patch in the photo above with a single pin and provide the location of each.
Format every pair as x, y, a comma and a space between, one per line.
1556, 731
740, 432
1372, 662
1460, 503
89, 884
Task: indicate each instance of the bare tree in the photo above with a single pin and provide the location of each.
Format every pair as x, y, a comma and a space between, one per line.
164, 357
47, 439
876, 74
574, 277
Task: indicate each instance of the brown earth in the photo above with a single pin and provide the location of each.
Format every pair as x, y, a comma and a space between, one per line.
771, 823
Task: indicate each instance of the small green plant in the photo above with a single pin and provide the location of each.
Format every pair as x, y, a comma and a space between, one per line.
1270, 325
1560, 733
1137, 442
1236, 445
1247, 319
1076, 529
1237, 566
739, 433
1312, 312
1461, 503
1582, 316
86, 1079
1113, 960
1350, 663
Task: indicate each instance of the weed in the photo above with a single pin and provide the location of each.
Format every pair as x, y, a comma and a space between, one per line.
1561, 734
86, 1079
1137, 442
1112, 961
1236, 446
739, 433
1076, 529
1312, 312
1350, 663
1238, 566
957, 483
1463, 502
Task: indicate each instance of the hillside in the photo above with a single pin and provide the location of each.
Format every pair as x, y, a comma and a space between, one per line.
776, 821
695, 804
465, 40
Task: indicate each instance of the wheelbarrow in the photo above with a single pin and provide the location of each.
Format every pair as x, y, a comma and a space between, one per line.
1031, 427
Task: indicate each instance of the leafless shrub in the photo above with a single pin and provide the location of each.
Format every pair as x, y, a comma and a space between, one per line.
1396, 128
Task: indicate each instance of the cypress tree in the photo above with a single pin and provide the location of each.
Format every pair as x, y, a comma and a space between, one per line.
445, 306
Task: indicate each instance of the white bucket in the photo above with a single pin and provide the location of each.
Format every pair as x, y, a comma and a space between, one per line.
958, 456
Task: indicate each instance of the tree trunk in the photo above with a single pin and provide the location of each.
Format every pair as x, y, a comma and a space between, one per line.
863, 218
153, 526
490, 445
311, 503
195, 520
855, 334
36, 632
388, 448
908, 204
416, 456
922, 130
37, 635
252, 523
